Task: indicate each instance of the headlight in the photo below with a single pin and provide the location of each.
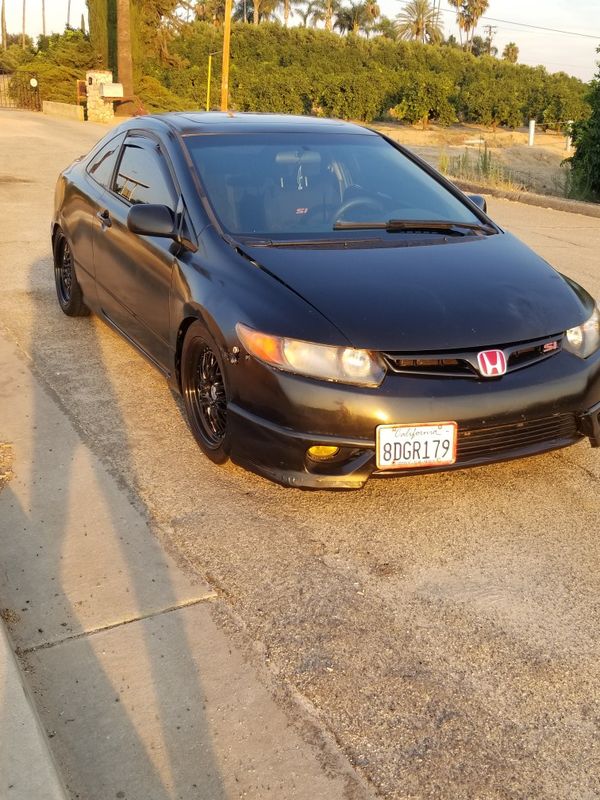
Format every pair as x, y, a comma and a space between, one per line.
341, 364
585, 339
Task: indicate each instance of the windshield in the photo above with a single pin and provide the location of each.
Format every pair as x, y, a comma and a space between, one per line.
303, 185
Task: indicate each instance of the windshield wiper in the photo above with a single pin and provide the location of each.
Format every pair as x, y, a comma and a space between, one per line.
306, 242
445, 226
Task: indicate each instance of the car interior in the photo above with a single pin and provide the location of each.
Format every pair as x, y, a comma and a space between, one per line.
278, 190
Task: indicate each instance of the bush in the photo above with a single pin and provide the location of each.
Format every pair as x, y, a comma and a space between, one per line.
156, 97
59, 61
585, 164
14, 56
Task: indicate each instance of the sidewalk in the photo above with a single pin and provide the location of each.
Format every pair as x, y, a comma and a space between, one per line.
27, 769
141, 695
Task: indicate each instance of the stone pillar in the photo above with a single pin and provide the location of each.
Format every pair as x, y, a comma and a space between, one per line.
99, 109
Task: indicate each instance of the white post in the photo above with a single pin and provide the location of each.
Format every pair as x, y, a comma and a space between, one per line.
531, 132
569, 142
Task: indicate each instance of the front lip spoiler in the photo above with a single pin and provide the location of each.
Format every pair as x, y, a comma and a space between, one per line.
278, 452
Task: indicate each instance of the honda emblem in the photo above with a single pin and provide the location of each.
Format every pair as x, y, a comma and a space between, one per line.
492, 363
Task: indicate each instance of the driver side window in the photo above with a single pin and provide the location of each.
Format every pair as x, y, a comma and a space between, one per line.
143, 177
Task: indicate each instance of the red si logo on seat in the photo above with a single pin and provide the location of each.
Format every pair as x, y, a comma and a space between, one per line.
491, 363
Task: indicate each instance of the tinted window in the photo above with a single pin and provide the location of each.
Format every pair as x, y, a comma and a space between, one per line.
294, 183
142, 176
102, 166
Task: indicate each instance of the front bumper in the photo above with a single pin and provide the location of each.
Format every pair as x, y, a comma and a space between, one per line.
548, 406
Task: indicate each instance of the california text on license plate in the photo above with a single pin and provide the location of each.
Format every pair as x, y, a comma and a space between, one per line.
432, 444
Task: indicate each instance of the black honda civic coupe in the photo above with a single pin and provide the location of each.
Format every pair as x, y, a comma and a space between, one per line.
328, 305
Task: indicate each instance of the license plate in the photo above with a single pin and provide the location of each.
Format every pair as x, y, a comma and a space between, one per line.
432, 444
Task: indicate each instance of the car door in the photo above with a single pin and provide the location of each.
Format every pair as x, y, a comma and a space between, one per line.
81, 203
133, 272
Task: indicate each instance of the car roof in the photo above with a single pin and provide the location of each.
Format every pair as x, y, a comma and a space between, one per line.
195, 122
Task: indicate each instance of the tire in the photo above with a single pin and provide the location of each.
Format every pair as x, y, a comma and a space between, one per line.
68, 290
205, 393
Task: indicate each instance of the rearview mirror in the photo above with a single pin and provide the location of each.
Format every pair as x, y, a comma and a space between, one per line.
479, 202
152, 220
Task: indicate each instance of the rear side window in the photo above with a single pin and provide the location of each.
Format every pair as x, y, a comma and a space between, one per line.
142, 177
102, 166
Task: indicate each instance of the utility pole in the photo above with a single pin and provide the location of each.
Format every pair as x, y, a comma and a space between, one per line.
23, 29
43, 18
491, 32
69, 14
226, 47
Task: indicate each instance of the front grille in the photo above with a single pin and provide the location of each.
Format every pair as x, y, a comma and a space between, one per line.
495, 441
463, 364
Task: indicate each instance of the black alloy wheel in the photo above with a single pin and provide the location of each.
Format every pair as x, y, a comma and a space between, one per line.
68, 290
205, 393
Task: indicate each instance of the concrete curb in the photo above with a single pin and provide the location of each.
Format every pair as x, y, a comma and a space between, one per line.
542, 200
27, 767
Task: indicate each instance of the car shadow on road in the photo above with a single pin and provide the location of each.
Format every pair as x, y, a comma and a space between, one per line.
96, 598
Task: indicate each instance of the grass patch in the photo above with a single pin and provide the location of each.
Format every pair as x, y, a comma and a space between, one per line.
480, 167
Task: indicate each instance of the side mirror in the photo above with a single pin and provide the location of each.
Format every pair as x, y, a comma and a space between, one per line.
152, 220
479, 202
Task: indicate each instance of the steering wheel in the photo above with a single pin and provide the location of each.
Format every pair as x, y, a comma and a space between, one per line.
355, 202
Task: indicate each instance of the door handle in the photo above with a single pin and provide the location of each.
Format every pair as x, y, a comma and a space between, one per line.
104, 217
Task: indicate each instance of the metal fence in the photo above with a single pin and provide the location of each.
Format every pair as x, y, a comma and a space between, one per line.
16, 91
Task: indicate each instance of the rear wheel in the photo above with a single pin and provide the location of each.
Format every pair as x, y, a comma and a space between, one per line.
68, 290
205, 393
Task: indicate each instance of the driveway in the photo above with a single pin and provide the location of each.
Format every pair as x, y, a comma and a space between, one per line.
442, 629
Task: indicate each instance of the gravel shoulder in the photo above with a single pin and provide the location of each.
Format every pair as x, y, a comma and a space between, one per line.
442, 629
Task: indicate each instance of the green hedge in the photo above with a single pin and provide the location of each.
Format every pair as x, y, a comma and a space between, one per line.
313, 71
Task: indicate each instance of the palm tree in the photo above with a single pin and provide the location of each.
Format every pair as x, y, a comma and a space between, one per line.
356, 17
124, 59
304, 11
419, 21
323, 11
262, 9
511, 53
286, 11
468, 14
372, 14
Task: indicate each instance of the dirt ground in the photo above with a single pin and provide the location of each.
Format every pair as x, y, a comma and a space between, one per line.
537, 168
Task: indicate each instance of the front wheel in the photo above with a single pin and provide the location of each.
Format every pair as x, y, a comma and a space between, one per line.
205, 393
68, 290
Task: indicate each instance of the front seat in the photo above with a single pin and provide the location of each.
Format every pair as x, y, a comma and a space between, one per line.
304, 195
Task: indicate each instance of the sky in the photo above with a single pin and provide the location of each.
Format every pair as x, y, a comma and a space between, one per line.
575, 54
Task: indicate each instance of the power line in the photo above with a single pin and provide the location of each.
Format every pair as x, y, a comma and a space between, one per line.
533, 27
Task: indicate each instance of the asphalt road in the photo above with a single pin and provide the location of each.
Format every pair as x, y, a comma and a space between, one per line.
443, 628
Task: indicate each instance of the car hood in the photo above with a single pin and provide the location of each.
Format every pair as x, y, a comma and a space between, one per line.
459, 294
